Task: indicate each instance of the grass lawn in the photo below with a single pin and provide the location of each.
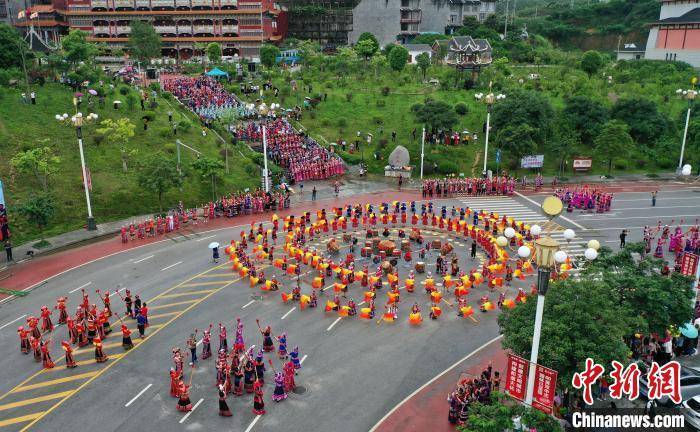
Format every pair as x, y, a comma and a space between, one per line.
115, 194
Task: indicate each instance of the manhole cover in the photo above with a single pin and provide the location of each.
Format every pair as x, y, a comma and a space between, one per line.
299, 390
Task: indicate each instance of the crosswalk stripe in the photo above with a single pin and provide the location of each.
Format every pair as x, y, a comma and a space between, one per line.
188, 293
196, 284
169, 305
55, 381
35, 400
21, 419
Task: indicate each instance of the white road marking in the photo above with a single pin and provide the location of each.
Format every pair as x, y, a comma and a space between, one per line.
143, 259
334, 323
538, 205
328, 287
138, 395
171, 266
248, 304
204, 238
387, 415
182, 420
255, 420
626, 228
290, 311
655, 217
12, 322
80, 287
302, 359
117, 292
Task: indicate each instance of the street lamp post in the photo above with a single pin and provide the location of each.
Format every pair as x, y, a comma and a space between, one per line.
489, 100
422, 153
689, 95
78, 121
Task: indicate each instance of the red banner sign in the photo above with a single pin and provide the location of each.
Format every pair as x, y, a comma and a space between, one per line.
689, 264
516, 377
545, 386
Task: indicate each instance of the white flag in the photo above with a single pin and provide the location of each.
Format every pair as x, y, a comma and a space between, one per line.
20, 14
34, 15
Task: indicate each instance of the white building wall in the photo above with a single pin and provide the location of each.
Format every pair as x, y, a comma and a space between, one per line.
677, 8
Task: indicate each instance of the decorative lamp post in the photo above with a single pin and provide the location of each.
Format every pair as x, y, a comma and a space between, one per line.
489, 100
78, 121
688, 95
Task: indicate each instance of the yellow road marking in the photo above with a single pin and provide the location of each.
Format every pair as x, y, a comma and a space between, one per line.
196, 284
150, 317
22, 419
89, 349
169, 305
216, 275
110, 364
53, 382
187, 293
82, 363
35, 400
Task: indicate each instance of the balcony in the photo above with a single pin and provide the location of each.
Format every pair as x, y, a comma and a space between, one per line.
100, 29
123, 4
228, 3
182, 3
410, 20
161, 3
203, 29
99, 4
165, 29
196, 3
143, 4
228, 28
123, 29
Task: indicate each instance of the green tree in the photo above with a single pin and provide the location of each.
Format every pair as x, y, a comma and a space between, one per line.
517, 141
119, 132
614, 141
436, 115
591, 62
144, 42
214, 52
76, 48
269, 54
378, 62
642, 115
309, 52
12, 46
367, 36
470, 24
366, 48
580, 320
201, 49
210, 170
398, 57
38, 210
522, 107
158, 174
586, 116
423, 61
40, 162
387, 49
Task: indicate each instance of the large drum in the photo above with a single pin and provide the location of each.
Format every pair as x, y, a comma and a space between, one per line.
347, 238
375, 244
366, 252
405, 245
446, 249
420, 267
396, 253
437, 244
387, 267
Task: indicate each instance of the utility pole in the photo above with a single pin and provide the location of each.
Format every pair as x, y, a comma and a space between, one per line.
505, 30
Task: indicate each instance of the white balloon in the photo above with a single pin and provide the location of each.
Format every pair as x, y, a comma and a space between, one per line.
535, 230
501, 241
569, 234
594, 244
560, 256
58, 117
686, 170
591, 254
509, 232
523, 251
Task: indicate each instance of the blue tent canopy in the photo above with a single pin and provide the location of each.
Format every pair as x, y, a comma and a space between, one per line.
216, 72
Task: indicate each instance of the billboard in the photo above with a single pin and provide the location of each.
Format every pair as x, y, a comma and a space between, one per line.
532, 161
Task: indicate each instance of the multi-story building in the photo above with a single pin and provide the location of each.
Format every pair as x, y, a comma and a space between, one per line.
185, 26
676, 35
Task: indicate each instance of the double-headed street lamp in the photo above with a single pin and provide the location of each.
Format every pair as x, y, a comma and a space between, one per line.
548, 254
688, 95
489, 100
78, 121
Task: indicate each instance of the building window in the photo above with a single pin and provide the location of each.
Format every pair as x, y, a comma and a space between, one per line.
482, 16
454, 19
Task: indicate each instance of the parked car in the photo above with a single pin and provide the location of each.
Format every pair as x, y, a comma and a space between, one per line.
690, 386
692, 412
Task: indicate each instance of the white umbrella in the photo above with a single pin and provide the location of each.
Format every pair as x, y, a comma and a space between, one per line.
213, 245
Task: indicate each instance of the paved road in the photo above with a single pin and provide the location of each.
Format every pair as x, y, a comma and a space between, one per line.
354, 371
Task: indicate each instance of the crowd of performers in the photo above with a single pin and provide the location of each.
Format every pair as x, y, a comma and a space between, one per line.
473, 186
585, 198
239, 370
678, 242
232, 205
203, 95
302, 157
88, 327
472, 390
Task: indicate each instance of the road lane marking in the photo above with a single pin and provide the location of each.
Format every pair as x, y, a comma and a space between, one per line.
117, 292
579, 226
171, 266
138, 395
150, 317
303, 358
35, 400
13, 321
435, 378
255, 420
248, 304
22, 419
80, 287
89, 349
53, 382
204, 238
196, 284
290, 311
182, 420
169, 305
143, 259
188, 293
334, 323
81, 363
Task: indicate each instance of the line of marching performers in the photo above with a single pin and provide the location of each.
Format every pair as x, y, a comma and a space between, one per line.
678, 241
472, 390
473, 186
89, 326
585, 198
239, 370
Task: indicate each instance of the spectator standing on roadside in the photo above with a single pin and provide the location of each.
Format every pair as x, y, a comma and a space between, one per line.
8, 250
653, 198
